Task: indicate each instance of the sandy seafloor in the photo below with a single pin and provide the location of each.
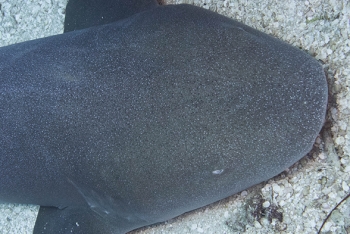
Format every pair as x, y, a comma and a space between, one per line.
298, 200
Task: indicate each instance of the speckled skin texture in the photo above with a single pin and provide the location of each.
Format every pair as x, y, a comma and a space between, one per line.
138, 121
82, 14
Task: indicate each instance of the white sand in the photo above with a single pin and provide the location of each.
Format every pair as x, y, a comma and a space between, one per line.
305, 193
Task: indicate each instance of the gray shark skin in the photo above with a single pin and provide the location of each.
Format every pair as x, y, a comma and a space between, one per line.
82, 14
125, 124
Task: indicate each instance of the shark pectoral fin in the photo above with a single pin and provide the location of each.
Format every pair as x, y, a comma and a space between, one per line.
82, 14
70, 220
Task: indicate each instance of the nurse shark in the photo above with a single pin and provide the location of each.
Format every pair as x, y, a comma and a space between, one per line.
141, 111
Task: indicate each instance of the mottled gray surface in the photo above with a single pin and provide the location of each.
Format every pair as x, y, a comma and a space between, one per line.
153, 116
